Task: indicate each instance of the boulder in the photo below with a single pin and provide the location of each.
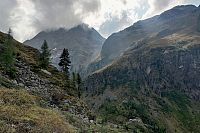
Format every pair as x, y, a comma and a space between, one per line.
46, 72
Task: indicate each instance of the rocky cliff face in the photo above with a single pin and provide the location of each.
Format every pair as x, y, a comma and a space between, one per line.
168, 58
160, 69
84, 44
169, 24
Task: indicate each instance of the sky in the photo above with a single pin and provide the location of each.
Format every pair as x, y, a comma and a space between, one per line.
28, 17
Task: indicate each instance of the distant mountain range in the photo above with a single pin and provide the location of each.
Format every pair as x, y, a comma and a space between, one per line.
84, 44
172, 26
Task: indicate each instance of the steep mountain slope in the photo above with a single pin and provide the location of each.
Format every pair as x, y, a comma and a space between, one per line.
83, 42
154, 85
38, 101
169, 24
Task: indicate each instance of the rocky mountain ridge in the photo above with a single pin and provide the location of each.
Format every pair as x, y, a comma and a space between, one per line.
160, 29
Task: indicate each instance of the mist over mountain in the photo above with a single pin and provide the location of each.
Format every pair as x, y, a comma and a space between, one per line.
84, 44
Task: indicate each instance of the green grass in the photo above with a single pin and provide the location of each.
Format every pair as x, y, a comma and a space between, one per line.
21, 112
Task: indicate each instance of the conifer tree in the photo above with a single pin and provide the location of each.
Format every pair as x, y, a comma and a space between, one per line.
74, 76
78, 79
8, 55
74, 85
198, 24
79, 83
65, 62
45, 55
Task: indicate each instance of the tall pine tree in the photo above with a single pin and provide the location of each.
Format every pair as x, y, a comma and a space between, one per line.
8, 55
45, 55
198, 24
74, 80
79, 81
65, 62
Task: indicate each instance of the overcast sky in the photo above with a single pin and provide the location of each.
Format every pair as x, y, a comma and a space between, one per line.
28, 17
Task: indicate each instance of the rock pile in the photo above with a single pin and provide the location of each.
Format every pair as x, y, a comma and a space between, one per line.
31, 81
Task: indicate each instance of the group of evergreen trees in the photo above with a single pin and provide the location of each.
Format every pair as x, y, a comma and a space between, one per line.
65, 63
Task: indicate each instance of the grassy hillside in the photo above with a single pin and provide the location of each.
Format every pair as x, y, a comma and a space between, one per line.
30, 56
22, 112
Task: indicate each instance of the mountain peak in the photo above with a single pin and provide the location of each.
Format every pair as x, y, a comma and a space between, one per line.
183, 7
83, 27
80, 27
83, 42
177, 11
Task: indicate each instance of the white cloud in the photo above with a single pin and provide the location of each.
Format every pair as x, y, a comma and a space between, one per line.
32, 16
158, 6
115, 15
22, 19
28, 17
